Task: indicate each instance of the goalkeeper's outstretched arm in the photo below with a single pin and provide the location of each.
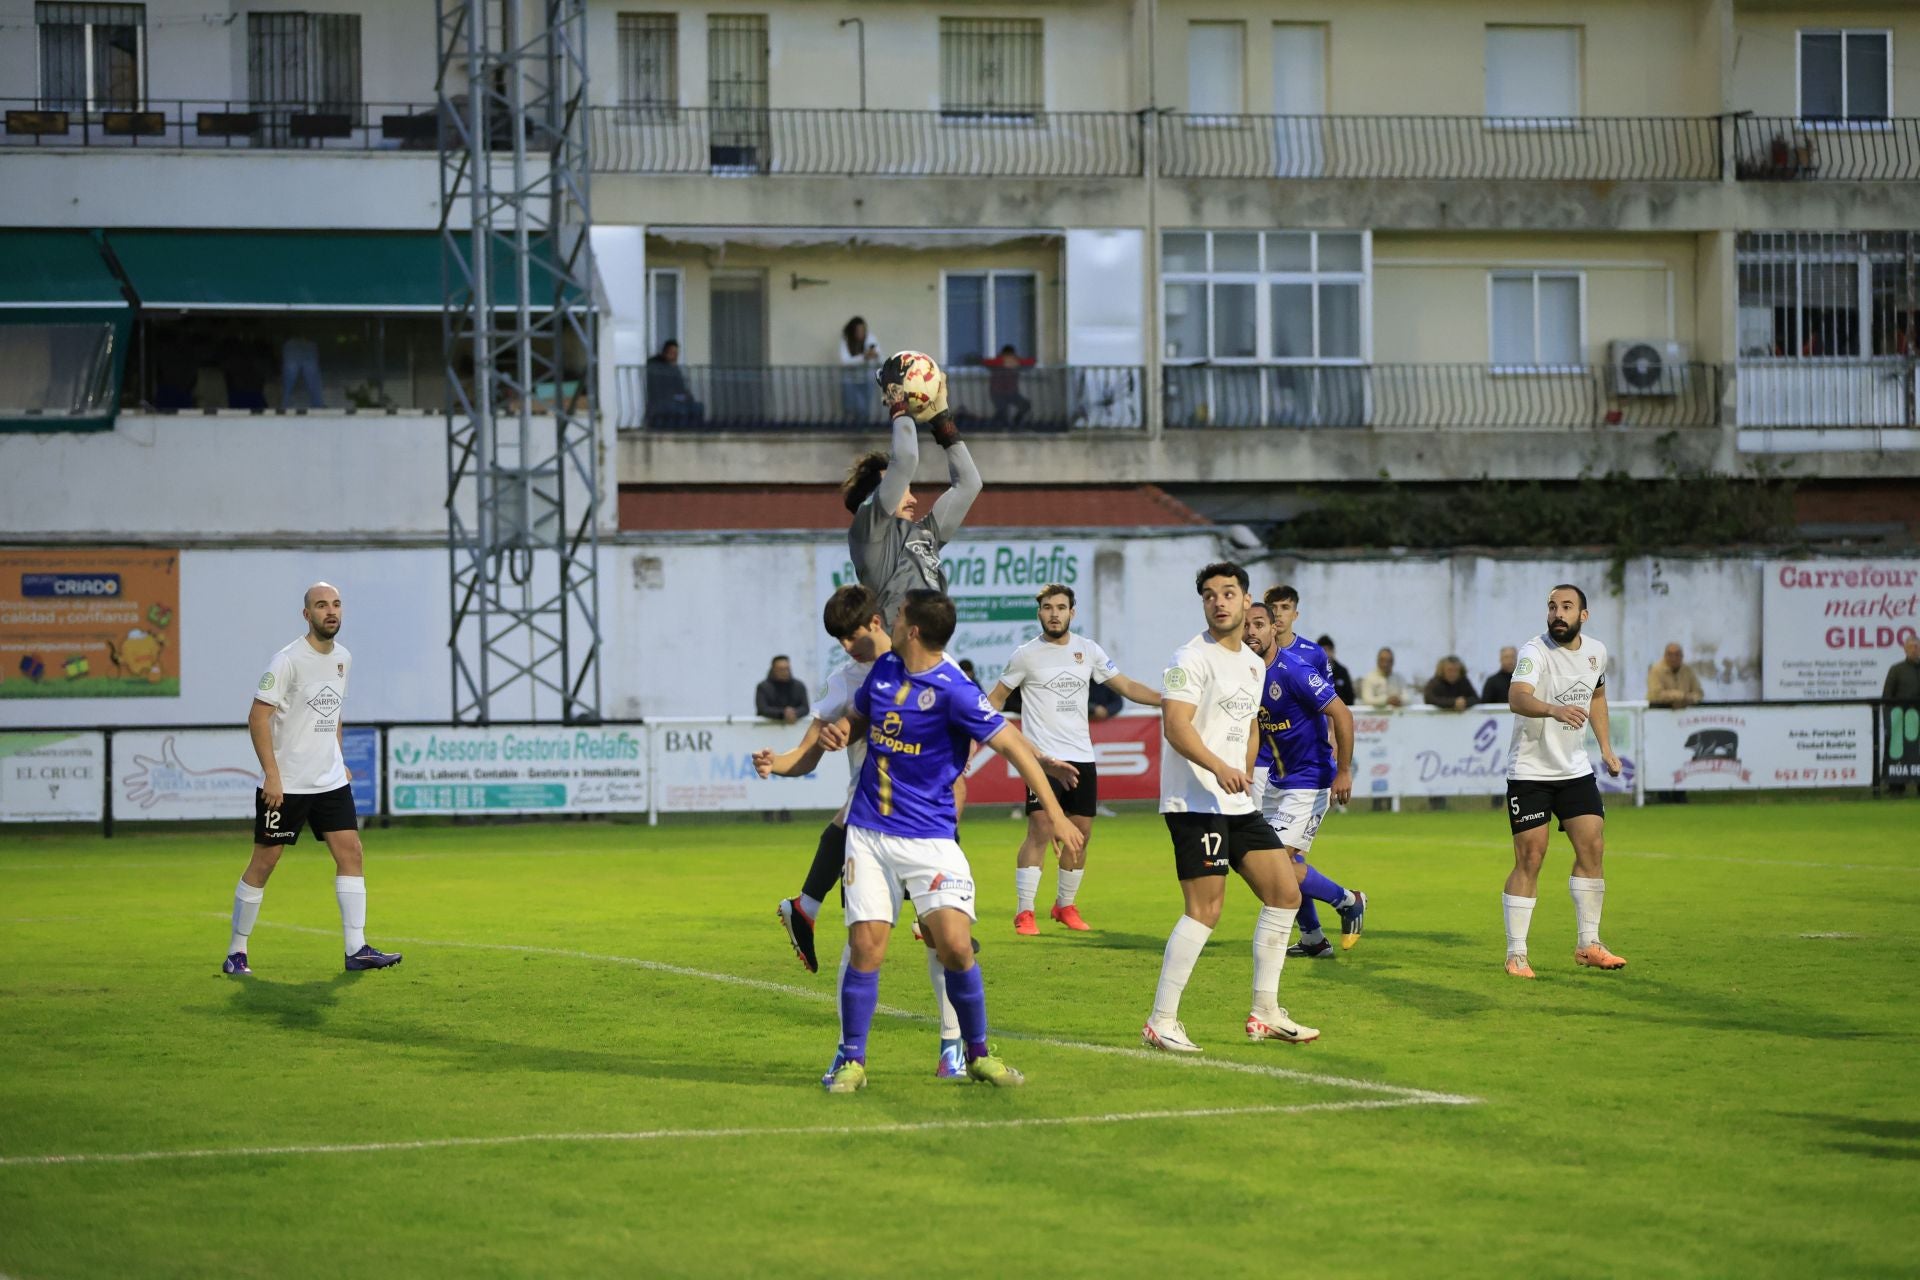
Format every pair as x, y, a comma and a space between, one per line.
902, 462
964, 485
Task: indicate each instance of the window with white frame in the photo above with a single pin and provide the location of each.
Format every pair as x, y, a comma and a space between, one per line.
1216, 63
1533, 74
992, 67
649, 60
1537, 320
1811, 295
665, 289
1846, 76
989, 310
93, 57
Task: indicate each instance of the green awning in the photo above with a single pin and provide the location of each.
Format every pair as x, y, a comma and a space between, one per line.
298, 270
59, 270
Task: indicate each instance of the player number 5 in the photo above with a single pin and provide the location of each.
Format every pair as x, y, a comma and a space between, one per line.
1514, 805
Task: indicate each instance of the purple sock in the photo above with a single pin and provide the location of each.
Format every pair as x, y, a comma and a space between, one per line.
969, 997
1318, 886
859, 993
1307, 918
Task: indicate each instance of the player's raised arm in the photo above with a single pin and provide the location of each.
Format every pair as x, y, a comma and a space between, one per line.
1017, 751
800, 760
1133, 691
902, 462
963, 481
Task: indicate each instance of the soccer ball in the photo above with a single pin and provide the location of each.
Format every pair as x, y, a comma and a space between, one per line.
913, 379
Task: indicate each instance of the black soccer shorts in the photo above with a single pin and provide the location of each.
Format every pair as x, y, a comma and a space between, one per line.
323, 811
1532, 801
1081, 800
1209, 844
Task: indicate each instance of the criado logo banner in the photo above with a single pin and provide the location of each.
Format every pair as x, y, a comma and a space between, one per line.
99, 623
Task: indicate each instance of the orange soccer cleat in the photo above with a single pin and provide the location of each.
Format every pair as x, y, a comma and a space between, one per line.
1025, 925
1069, 916
1598, 957
1517, 965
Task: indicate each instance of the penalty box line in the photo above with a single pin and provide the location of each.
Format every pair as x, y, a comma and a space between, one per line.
1193, 1062
669, 1135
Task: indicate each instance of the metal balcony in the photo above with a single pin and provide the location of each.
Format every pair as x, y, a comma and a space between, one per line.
198, 124
1784, 149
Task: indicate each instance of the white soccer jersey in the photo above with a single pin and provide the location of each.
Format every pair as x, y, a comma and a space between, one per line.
1544, 748
1223, 687
1053, 708
837, 701
306, 689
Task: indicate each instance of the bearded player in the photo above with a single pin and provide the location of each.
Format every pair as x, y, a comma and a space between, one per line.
1559, 688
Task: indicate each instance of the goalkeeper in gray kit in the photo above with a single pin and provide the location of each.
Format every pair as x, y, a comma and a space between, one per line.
893, 551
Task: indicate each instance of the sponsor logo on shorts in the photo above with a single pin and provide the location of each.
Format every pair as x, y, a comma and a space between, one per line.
960, 886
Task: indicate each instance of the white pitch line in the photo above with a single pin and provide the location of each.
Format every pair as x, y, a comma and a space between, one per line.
806, 993
1501, 846
666, 1135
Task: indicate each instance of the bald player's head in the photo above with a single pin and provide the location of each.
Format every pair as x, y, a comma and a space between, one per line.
321, 608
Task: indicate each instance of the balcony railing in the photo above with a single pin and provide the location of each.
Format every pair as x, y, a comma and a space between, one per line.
846, 142
210, 124
1878, 391
1783, 149
1413, 397
1467, 148
679, 397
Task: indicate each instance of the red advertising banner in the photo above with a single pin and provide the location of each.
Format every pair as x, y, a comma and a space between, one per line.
1126, 748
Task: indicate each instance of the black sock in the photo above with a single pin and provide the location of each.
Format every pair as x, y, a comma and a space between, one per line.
827, 861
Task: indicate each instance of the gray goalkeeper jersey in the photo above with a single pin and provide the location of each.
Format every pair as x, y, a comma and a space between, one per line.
892, 556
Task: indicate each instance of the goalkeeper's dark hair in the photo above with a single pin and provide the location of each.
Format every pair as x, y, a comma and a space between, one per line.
931, 613
849, 609
1568, 586
863, 477
1220, 569
1282, 592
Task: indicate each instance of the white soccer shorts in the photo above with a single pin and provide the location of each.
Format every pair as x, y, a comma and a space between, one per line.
883, 871
1295, 815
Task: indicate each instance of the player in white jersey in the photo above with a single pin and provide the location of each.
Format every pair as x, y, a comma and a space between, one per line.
1055, 670
295, 725
1559, 688
1209, 698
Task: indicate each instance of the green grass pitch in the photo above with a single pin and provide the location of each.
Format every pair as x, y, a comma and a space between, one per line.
611, 1015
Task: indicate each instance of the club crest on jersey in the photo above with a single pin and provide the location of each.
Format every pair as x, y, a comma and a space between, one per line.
1593, 663
340, 668
927, 699
1079, 657
1273, 690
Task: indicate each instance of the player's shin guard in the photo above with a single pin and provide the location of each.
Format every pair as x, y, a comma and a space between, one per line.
1519, 915
1319, 886
937, 974
246, 910
351, 891
829, 856
1270, 934
1589, 893
969, 997
859, 993
1184, 944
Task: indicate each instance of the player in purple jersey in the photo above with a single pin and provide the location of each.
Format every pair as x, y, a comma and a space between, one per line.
1283, 602
918, 714
1299, 772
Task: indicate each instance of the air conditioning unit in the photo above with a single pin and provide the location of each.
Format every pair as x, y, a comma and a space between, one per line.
1648, 367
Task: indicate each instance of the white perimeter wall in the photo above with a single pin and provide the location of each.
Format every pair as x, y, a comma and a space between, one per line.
690, 625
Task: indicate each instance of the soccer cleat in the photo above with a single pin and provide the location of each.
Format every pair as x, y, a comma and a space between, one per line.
1280, 1028
845, 1075
1318, 949
1069, 916
368, 958
799, 932
953, 1062
1025, 925
1352, 919
1517, 965
990, 1070
1171, 1038
236, 964
1598, 957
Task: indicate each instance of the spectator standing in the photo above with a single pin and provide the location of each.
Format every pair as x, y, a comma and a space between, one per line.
780, 697
1342, 678
299, 371
1450, 689
1380, 687
669, 403
859, 357
1010, 408
1495, 689
1903, 677
1671, 682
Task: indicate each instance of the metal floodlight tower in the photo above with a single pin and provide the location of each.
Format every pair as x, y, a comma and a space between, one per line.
523, 494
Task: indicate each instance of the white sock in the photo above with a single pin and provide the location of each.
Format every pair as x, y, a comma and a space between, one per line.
1270, 934
1026, 886
1588, 893
1069, 887
1519, 913
949, 1020
1184, 944
246, 909
1345, 902
352, 893
811, 906
1312, 936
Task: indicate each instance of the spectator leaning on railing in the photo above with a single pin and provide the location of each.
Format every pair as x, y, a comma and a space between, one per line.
1671, 682
1450, 689
1495, 689
780, 696
1380, 687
